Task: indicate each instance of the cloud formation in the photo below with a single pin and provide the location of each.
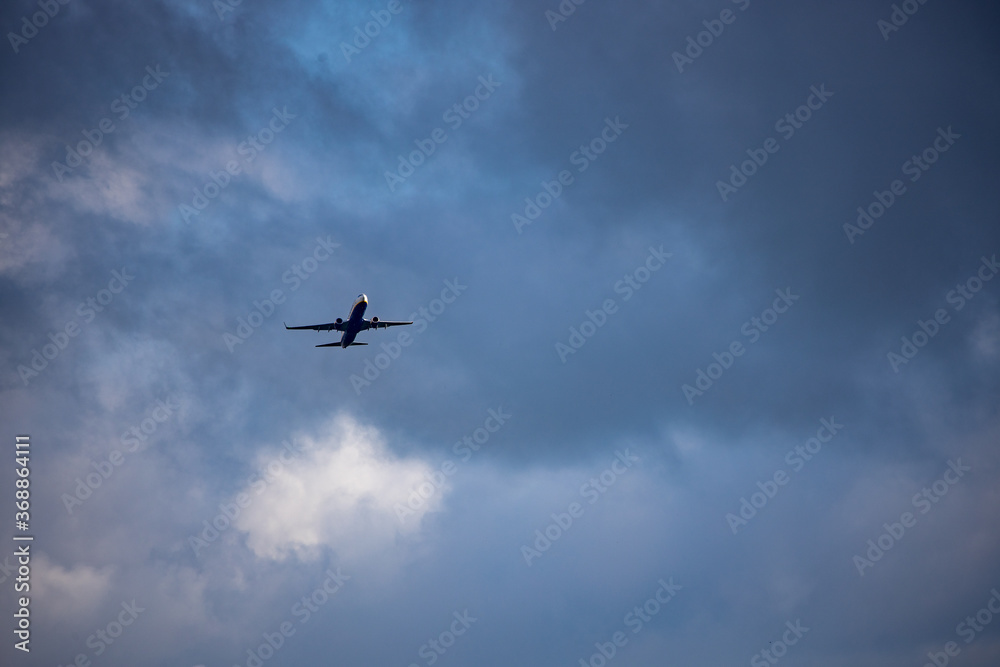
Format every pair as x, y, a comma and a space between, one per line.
347, 492
682, 165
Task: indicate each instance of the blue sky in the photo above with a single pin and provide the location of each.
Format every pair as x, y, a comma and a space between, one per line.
703, 368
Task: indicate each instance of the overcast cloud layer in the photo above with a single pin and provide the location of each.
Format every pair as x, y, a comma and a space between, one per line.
703, 368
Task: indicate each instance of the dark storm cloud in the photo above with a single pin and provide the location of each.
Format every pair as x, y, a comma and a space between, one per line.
314, 116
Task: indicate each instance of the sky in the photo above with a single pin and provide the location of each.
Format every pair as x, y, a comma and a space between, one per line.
703, 363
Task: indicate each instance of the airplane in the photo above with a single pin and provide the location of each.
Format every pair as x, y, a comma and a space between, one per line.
355, 324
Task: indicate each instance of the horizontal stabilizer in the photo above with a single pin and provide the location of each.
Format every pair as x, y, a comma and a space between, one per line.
338, 344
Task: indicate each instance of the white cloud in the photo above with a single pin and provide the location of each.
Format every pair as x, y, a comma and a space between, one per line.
68, 593
341, 493
26, 234
109, 186
986, 337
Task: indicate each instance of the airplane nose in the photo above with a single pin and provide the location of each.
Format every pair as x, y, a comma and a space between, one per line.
363, 298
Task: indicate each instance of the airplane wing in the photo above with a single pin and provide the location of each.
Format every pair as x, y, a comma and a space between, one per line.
329, 326
384, 325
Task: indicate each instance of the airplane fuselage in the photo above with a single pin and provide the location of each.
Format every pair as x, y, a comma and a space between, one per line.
356, 322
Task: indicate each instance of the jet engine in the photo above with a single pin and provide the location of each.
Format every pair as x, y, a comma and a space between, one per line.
340, 320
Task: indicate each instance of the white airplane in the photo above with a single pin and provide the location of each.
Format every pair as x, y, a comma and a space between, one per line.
355, 324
